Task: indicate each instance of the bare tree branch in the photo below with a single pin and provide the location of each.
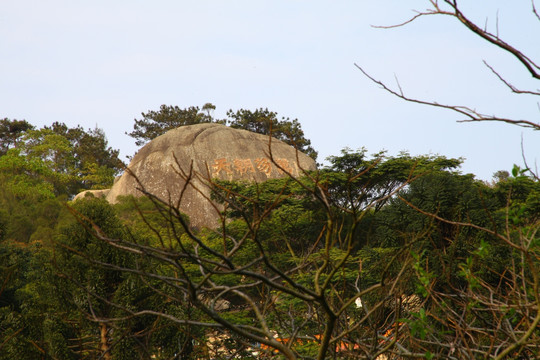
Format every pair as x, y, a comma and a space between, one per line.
509, 85
534, 10
471, 114
530, 65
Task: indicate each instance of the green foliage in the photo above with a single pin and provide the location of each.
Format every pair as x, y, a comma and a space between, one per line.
443, 239
30, 310
83, 158
94, 280
56, 160
77, 248
26, 198
148, 221
381, 228
263, 121
424, 276
91, 151
292, 221
78, 255
521, 194
355, 181
11, 132
155, 123
23, 176
97, 177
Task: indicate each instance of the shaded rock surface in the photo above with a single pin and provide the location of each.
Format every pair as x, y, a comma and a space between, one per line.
214, 151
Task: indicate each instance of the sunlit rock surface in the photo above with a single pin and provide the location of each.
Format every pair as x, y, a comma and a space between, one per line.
213, 151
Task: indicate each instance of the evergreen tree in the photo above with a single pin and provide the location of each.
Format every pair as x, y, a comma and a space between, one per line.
11, 132
155, 123
263, 121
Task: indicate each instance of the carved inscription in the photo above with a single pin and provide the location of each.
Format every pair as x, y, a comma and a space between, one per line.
221, 165
243, 167
283, 166
264, 165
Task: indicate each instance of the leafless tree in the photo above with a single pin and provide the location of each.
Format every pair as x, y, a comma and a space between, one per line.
451, 8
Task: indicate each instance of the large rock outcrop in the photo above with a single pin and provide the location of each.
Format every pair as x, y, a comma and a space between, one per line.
213, 151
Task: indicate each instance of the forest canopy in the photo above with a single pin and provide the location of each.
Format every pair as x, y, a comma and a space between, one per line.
370, 254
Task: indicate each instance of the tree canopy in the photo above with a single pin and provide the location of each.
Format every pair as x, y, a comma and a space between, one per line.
154, 123
262, 121
372, 254
11, 132
65, 160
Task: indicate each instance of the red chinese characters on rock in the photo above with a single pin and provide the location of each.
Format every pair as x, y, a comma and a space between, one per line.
283, 166
221, 165
243, 167
264, 165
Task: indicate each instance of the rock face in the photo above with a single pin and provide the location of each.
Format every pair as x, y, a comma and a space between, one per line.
94, 193
213, 151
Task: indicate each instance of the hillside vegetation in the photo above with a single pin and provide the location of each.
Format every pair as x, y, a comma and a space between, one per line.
371, 256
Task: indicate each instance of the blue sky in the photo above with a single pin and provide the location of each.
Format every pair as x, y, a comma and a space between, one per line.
104, 62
